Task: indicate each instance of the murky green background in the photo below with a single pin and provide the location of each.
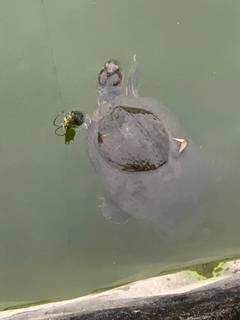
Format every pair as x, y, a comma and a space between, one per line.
54, 242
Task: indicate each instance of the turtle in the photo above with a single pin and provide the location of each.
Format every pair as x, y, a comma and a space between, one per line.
148, 166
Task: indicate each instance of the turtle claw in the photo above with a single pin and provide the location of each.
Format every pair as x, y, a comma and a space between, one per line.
131, 89
183, 144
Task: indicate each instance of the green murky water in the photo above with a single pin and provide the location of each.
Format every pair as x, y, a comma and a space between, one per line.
54, 242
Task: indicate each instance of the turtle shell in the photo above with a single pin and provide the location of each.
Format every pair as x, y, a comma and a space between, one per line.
133, 139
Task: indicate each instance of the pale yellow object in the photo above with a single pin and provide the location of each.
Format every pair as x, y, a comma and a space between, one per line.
183, 144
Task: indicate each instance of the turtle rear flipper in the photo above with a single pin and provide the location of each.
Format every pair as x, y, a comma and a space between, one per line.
112, 212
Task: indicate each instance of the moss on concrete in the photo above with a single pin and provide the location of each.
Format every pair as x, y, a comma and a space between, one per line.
26, 305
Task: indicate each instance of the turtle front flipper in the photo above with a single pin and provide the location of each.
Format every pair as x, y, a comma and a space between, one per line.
112, 212
132, 81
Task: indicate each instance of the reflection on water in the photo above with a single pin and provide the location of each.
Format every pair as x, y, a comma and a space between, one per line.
54, 242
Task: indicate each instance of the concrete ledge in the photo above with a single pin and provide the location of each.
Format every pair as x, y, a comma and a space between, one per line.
181, 295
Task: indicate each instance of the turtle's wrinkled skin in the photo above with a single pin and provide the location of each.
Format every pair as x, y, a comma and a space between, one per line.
145, 161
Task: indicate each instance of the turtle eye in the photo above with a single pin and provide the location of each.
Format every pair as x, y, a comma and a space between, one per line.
102, 77
118, 78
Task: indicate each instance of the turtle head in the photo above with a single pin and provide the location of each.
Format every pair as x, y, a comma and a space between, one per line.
109, 81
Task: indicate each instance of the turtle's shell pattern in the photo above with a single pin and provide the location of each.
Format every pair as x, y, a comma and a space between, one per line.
133, 139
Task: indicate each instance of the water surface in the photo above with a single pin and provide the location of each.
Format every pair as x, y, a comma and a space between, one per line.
54, 242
